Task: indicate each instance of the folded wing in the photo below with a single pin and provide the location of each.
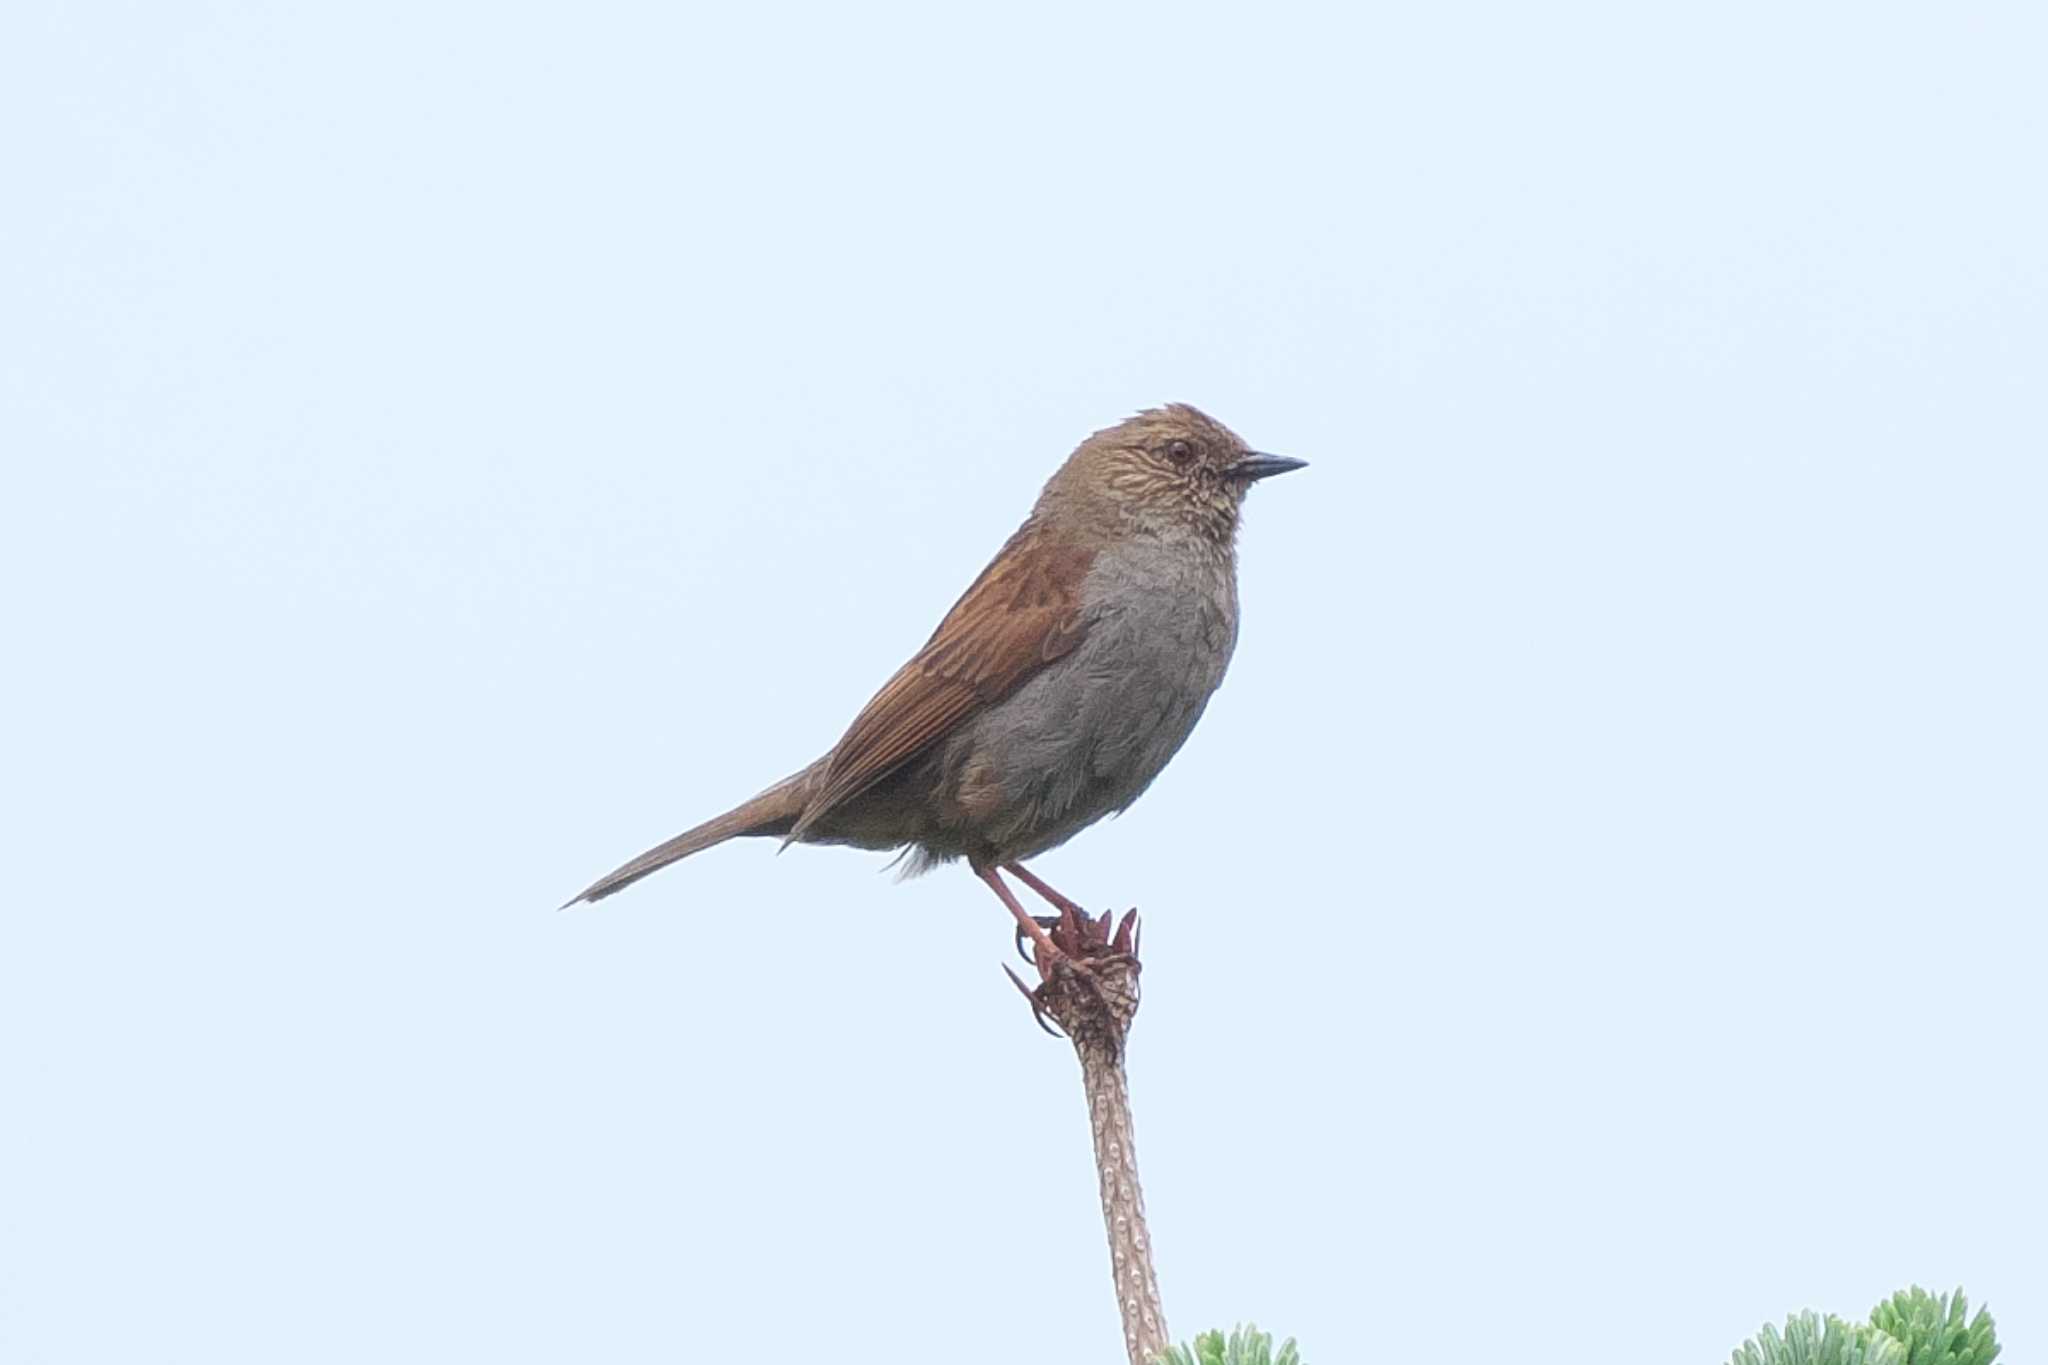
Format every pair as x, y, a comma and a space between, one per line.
1023, 612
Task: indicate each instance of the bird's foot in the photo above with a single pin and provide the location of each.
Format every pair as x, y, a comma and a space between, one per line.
1031, 997
1072, 917
1089, 987
1047, 923
1038, 958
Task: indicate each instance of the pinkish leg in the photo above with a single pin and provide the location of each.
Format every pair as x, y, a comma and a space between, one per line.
1026, 924
1071, 913
1037, 883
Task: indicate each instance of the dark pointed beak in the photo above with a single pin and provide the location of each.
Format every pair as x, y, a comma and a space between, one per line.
1254, 465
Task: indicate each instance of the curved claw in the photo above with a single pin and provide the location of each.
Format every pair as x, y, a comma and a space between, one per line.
1045, 922
1037, 1010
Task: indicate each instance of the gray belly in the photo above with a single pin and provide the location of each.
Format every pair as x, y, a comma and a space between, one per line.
1085, 737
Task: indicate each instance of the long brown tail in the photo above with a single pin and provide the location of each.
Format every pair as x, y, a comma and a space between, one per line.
772, 812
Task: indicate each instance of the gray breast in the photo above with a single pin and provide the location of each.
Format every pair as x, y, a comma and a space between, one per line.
1090, 733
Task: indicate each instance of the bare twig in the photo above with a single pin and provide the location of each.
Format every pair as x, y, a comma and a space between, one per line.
1091, 992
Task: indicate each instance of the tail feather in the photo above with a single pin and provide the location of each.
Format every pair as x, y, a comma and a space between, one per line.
772, 812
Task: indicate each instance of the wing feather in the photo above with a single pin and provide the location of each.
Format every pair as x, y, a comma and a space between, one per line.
1022, 613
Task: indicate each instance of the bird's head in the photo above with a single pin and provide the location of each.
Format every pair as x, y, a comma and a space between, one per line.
1171, 468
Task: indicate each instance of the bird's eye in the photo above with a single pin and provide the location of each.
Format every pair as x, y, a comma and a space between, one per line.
1180, 452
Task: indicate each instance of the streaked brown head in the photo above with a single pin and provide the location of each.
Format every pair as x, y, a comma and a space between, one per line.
1174, 465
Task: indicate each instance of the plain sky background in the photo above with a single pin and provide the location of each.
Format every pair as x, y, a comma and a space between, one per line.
452, 447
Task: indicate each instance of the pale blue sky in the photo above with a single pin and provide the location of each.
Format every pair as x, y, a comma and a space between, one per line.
452, 447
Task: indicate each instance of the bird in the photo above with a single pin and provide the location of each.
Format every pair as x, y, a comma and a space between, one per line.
1055, 690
